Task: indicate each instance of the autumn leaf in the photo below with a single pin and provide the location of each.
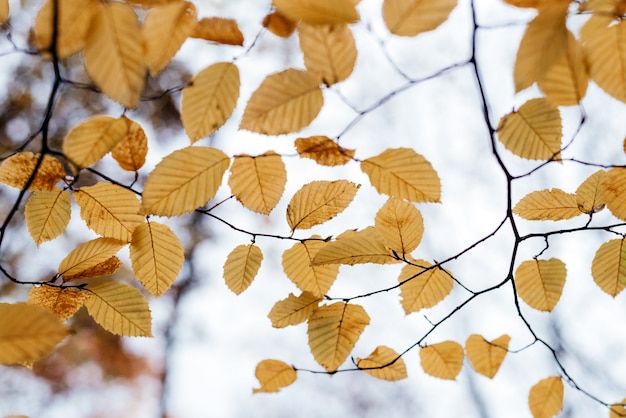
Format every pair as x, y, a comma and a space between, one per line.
384, 363
218, 29
285, 102
540, 283
63, 302
241, 267
548, 205
293, 310
4, 11
403, 173
274, 375
130, 152
422, 286
545, 399
613, 191
401, 225
589, 194
103, 268
89, 254
412, 17
279, 24
16, 170
318, 12
486, 357
258, 182
318, 202
28, 332
184, 180
47, 214
297, 264
443, 360
86, 143
608, 268
323, 150
617, 410
333, 331
355, 247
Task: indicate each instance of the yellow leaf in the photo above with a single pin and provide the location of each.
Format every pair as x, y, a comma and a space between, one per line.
47, 214
242, 266
443, 360
318, 12
379, 364
617, 410
613, 191
104, 268
524, 3
604, 45
88, 255
548, 30
403, 173
293, 310
355, 247
119, 309
274, 375
74, 17
547, 205
486, 357
545, 399
109, 210
258, 182
323, 150
151, 3
540, 283
130, 152
329, 51
401, 225
279, 25
218, 29
412, 17
165, 29
565, 83
285, 102
16, 170
156, 255
609, 267
184, 180
318, 202
89, 141
210, 99
589, 193
28, 332
533, 131
297, 264
4, 11
63, 302
333, 331
422, 288
114, 53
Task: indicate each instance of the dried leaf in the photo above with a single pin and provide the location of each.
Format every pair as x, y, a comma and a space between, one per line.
323, 150
545, 399
423, 287
548, 205
218, 29
63, 302
293, 310
412, 17
104, 268
540, 283
589, 193
443, 360
274, 375
486, 357
90, 140
355, 247
318, 12
16, 170
609, 267
279, 25
241, 267
130, 152
401, 225
613, 191
47, 214
297, 264
384, 363
88, 255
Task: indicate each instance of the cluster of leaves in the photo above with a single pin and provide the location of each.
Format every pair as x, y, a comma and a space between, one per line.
119, 49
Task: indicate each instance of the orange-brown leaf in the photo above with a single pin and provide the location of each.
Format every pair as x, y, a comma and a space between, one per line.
63, 302
218, 29
130, 152
16, 170
323, 150
279, 24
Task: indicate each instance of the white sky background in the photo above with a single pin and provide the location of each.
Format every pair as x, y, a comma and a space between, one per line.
221, 337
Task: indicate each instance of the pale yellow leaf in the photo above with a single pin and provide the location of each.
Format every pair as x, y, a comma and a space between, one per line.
547, 205
156, 255
412, 17
333, 331
4, 11
88, 255
119, 309
423, 287
604, 45
588, 194
318, 12
545, 399
297, 264
613, 191
548, 30
63, 302
355, 247
323, 150
130, 152
609, 267
74, 17
533, 131
279, 24
617, 410
401, 225
16, 170
104, 268
293, 310
403, 173
90, 140
241, 267
285, 102
318, 202
258, 182
165, 29
384, 363
47, 214
109, 210
28, 332
329, 51
184, 180
114, 53
443, 360
486, 357
540, 283
218, 29
274, 375
210, 99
